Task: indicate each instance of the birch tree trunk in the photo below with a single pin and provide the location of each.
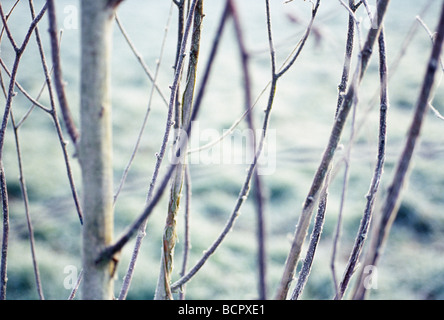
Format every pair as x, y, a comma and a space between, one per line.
95, 147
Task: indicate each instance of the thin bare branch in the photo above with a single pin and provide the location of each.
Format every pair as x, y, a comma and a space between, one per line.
187, 227
314, 241
3, 186
141, 60
27, 212
300, 46
243, 194
35, 102
148, 110
184, 111
393, 197
374, 186
6, 28
320, 217
335, 136
58, 77
55, 118
76, 286
153, 198
432, 38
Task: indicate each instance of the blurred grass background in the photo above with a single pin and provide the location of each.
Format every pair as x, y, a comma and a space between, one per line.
413, 263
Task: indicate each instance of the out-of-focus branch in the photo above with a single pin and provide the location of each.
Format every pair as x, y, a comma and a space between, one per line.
374, 186
58, 77
335, 136
393, 197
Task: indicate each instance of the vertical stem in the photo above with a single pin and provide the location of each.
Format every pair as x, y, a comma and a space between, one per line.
392, 200
320, 216
5, 238
374, 186
3, 188
95, 147
187, 242
348, 56
163, 290
27, 213
327, 157
53, 111
67, 117
314, 241
257, 180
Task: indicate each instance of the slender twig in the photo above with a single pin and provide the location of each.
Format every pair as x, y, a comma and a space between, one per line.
184, 111
243, 194
19, 52
283, 68
25, 191
55, 118
173, 97
58, 77
32, 107
187, 227
347, 58
229, 8
320, 216
159, 159
346, 161
351, 10
27, 213
301, 44
374, 186
318, 181
76, 286
141, 60
35, 102
257, 182
153, 198
148, 110
393, 197
314, 241
180, 32
7, 16
8, 32
394, 66
369, 11
5, 238
235, 124
118, 245
432, 38
180, 26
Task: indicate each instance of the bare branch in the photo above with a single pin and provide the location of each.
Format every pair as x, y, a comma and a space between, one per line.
58, 77
393, 197
374, 186
140, 59
318, 181
3, 186
153, 198
154, 87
